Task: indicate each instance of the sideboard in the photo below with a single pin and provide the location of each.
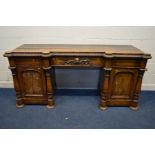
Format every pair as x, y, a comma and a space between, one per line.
122, 67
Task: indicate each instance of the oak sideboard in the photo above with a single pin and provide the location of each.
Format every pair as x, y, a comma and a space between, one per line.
122, 67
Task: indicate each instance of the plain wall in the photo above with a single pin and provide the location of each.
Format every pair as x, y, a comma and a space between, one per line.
141, 37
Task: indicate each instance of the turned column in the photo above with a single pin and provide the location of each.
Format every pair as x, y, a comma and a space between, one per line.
105, 88
134, 104
13, 69
141, 70
49, 83
105, 84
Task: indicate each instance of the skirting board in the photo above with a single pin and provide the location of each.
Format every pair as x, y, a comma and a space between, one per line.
9, 84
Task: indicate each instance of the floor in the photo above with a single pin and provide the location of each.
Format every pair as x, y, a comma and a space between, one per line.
76, 112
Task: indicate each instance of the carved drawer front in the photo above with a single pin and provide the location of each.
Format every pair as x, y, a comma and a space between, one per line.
123, 83
32, 82
77, 61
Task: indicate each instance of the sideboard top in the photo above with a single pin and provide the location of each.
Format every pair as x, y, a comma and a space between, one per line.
45, 49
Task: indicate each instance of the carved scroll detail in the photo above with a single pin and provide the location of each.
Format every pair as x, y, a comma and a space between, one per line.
77, 61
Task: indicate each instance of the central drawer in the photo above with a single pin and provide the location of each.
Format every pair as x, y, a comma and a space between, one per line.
77, 61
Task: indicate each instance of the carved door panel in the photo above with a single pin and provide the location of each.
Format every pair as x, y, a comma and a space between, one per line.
32, 82
123, 82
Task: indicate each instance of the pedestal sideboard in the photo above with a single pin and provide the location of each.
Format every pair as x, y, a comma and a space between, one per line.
123, 68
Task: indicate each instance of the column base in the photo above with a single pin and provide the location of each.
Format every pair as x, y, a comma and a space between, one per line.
102, 105
50, 104
134, 108
103, 108
19, 105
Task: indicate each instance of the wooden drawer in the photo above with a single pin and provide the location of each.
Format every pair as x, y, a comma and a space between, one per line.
125, 63
77, 61
28, 62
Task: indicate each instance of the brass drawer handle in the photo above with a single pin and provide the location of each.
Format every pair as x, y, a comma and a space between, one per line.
77, 61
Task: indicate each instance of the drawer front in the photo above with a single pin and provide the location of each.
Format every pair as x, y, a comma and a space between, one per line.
28, 62
125, 63
77, 61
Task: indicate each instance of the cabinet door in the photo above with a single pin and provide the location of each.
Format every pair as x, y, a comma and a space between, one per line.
123, 82
32, 81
